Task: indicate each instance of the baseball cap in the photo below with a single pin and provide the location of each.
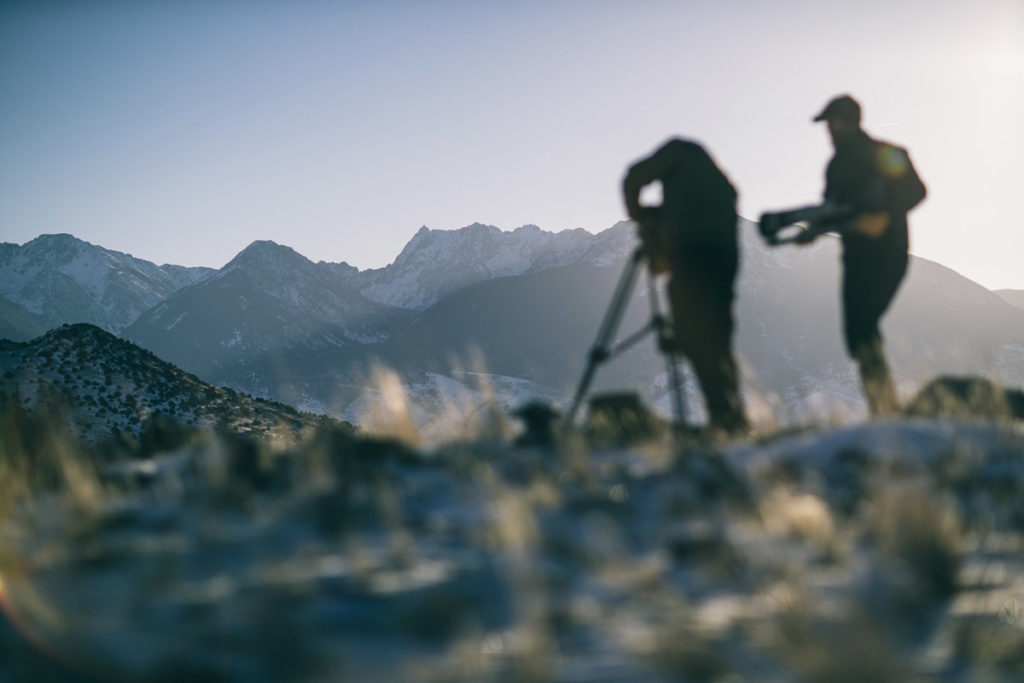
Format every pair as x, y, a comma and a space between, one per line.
841, 107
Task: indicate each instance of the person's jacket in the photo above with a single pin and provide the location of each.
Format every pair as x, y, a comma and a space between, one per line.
698, 202
871, 176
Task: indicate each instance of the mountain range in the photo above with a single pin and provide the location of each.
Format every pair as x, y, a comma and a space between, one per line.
267, 300
56, 279
437, 262
515, 310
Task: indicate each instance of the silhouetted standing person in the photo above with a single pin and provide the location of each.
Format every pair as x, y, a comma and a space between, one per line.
693, 235
877, 181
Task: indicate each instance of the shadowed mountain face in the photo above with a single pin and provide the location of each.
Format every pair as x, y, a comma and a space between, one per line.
1013, 296
16, 323
943, 320
540, 326
790, 340
267, 300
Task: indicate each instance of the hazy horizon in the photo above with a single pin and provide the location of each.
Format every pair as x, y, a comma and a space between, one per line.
182, 132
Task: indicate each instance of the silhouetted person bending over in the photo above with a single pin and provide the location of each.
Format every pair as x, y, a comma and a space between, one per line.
693, 235
877, 181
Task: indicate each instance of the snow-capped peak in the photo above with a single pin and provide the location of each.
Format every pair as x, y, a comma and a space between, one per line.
59, 278
267, 252
437, 262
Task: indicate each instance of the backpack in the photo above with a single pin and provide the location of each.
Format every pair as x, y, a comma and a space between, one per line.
902, 186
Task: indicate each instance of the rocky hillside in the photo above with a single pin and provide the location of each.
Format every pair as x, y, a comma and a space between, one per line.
102, 386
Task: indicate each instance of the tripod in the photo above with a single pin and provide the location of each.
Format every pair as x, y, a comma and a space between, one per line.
602, 350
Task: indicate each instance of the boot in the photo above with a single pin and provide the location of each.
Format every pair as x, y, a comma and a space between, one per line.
876, 380
720, 386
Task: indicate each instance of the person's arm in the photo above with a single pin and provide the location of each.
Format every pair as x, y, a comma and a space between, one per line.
644, 172
855, 182
828, 220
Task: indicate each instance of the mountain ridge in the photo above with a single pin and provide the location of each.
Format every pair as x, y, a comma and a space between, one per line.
58, 278
271, 301
435, 263
268, 299
1014, 297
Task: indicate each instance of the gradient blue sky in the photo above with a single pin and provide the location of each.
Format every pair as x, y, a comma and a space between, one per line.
181, 131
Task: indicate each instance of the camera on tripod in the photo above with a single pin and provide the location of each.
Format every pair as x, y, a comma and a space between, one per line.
817, 219
655, 238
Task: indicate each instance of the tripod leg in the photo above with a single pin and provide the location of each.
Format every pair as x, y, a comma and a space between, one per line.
676, 379
613, 316
671, 361
609, 325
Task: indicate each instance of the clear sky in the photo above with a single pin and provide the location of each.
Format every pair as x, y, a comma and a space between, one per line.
181, 131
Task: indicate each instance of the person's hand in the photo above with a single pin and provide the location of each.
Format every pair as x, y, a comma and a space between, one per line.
871, 224
769, 224
807, 235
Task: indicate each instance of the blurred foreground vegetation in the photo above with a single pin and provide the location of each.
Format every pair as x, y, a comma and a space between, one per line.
883, 553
